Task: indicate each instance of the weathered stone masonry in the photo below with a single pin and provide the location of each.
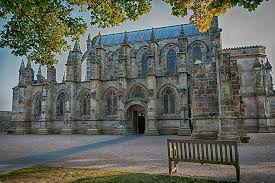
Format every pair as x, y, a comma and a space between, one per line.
156, 81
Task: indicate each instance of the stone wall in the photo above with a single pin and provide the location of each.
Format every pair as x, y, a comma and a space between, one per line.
5, 120
205, 104
232, 109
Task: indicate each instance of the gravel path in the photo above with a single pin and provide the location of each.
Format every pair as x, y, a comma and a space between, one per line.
134, 153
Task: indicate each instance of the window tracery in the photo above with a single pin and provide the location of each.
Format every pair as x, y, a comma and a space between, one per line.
111, 103
137, 93
85, 104
60, 104
38, 107
169, 101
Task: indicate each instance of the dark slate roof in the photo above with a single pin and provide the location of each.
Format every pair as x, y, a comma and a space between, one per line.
144, 35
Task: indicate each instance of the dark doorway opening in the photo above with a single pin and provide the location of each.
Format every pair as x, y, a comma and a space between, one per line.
139, 122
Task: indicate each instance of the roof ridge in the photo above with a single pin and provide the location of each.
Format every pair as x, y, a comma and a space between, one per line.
243, 47
169, 26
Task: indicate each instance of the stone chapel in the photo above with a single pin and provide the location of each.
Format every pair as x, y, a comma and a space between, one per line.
167, 80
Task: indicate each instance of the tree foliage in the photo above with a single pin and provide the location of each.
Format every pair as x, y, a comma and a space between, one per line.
204, 10
38, 29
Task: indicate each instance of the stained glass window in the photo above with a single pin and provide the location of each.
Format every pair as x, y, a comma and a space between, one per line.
171, 62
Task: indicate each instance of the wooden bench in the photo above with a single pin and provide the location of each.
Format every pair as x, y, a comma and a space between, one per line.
223, 152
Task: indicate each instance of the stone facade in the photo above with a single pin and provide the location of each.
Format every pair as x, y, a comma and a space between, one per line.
257, 90
5, 121
168, 80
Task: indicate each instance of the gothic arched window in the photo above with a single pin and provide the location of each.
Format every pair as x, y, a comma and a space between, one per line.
169, 101
137, 93
171, 62
60, 104
85, 104
145, 65
197, 55
111, 103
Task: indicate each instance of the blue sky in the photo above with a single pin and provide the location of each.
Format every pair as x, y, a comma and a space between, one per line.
240, 28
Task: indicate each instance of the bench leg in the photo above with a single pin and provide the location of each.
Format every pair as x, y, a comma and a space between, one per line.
238, 172
173, 167
176, 166
170, 167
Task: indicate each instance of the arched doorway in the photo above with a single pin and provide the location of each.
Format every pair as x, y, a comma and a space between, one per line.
136, 115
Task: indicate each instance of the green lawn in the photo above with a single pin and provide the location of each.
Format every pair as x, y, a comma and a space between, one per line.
46, 174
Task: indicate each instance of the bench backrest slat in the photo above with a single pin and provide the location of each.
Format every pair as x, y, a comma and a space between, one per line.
225, 152
206, 149
189, 150
193, 150
181, 151
231, 153
211, 152
198, 151
221, 154
216, 152
185, 151
236, 154
202, 151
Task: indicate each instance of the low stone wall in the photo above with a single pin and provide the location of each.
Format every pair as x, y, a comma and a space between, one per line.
5, 120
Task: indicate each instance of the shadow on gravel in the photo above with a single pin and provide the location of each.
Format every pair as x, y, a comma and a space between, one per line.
45, 157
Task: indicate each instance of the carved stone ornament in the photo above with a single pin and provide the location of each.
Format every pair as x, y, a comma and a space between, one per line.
93, 95
151, 92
